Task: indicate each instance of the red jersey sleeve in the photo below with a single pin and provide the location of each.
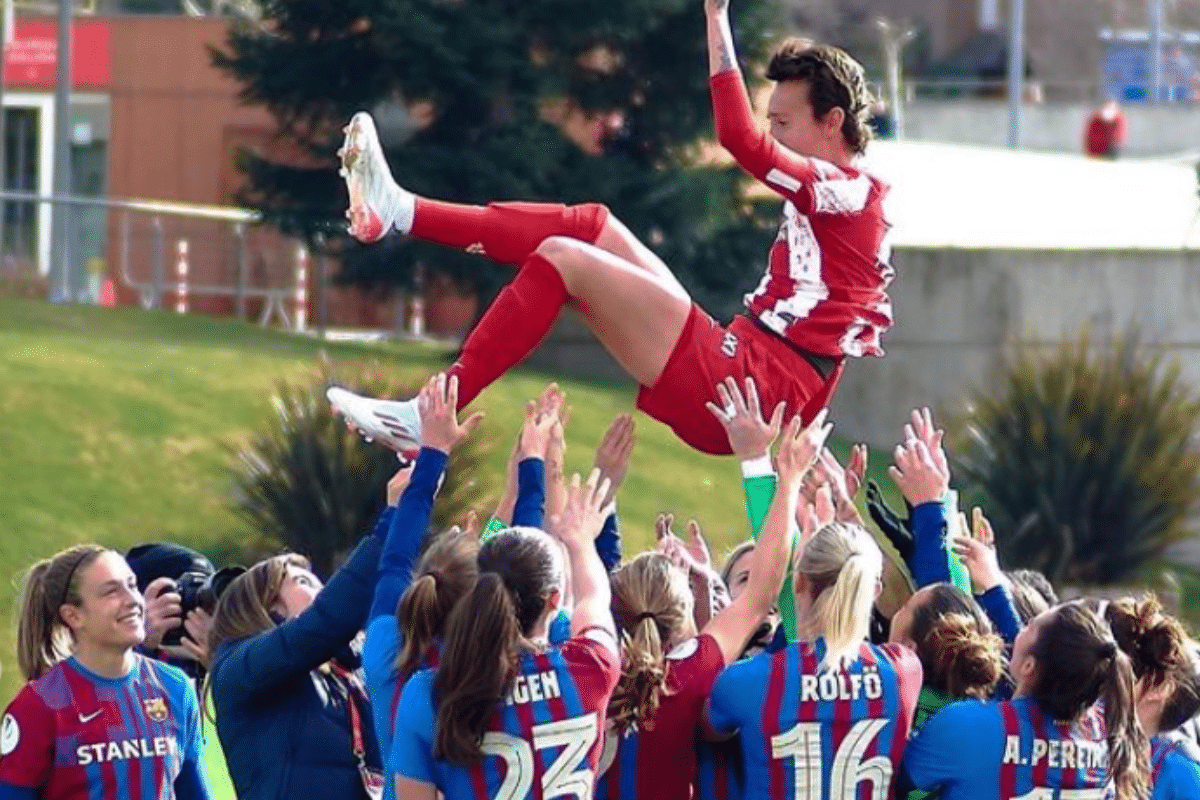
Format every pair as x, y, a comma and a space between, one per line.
813, 185
594, 667
695, 665
27, 735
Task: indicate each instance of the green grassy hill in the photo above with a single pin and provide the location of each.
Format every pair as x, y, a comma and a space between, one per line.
118, 424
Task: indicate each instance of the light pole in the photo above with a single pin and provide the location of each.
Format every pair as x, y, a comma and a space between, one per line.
894, 39
1016, 71
63, 283
1158, 25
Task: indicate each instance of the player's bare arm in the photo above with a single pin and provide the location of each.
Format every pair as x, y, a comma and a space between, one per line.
721, 56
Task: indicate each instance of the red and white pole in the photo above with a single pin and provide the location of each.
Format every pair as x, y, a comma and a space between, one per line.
181, 277
301, 287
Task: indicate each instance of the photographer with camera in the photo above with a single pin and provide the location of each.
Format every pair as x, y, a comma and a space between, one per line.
181, 588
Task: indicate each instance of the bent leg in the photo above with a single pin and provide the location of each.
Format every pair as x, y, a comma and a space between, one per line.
504, 232
509, 232
637, 317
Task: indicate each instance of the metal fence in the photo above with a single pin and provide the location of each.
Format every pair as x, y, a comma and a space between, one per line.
180, 256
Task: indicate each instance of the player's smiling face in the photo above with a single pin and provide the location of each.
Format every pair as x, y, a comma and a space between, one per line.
112, 612
794, 123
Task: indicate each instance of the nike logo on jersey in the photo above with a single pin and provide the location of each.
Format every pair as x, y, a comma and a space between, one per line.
89, 717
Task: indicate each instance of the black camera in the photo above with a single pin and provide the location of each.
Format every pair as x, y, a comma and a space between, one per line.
197, 583
199, 589
195, 590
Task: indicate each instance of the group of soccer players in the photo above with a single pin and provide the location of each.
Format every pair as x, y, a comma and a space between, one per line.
533, 659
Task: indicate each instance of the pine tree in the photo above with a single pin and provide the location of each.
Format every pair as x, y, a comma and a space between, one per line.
479, 73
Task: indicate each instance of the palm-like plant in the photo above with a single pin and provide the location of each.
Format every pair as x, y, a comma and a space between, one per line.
1086, 458
309, 485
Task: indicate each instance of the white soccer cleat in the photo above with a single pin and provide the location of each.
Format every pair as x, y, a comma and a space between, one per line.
396, 424
377, 203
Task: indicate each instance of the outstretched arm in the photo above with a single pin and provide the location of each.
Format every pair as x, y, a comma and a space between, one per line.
721, 55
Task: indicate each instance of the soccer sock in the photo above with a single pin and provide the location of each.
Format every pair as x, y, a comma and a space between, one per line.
505, 232
512, 328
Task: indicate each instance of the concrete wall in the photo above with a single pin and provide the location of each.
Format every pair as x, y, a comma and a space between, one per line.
1154, 130
956, 310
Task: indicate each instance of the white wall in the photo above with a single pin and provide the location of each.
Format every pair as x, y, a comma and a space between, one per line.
1051, 127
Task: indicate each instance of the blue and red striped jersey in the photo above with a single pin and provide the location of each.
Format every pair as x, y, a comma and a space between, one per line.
1174, 769
810, 735
544, 740
1003, 751
75, 735
633, 765
720, 772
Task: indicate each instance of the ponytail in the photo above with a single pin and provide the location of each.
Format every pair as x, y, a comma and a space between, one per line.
447, 571
417, 617
652, 604
479, 657
1127, 745
963, 660
960, 654
842, 566
42, 638
1077, 663
643, 678
485, 634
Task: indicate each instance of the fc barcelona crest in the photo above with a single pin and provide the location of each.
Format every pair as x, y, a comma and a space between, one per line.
155, 708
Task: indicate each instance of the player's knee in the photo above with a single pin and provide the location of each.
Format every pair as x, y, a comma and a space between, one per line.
559, 249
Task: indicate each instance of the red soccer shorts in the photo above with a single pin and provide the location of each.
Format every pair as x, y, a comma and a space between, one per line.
707, 354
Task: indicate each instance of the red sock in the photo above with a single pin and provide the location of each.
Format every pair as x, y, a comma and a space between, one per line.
506, 232
512, 328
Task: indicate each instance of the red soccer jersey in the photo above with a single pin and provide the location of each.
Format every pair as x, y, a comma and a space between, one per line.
72, 735
661, 762
827, 272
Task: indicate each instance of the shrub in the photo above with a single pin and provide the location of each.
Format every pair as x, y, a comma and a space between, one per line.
309, 485
1085, 458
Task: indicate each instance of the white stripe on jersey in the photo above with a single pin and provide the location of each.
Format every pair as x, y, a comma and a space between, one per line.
804, 268
783, 180
842, 196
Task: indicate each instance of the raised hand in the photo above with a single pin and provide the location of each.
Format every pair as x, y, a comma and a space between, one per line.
438, 406
583, 514
922, 429
741, 415
696, 545
811, 517
536, 432
843, 482
612, 454
799, 448
978, 553
917, 474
